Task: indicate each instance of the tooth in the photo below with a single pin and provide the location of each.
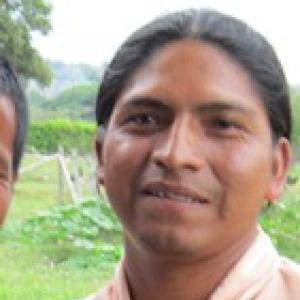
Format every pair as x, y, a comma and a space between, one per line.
191, 199
169, 195
173, 196
188, 199
162, 194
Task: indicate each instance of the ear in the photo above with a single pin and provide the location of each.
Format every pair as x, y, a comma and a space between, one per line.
99, 153
282, 156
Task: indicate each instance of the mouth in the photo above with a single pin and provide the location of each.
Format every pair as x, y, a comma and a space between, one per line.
172, 192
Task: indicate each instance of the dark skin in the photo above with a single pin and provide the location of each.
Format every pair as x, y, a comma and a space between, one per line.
7, 135
187, 161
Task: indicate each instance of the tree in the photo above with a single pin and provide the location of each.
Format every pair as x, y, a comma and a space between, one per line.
18, 19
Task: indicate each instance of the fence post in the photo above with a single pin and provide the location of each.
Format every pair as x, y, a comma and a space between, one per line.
60, 175
67, 177
92, 174
76, 173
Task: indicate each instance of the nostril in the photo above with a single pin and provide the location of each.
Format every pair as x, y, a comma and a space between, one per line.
160, 163
174, 161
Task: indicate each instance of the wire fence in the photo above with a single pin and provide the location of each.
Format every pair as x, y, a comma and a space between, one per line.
75, 173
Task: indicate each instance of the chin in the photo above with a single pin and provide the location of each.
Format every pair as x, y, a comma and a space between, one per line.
166, 242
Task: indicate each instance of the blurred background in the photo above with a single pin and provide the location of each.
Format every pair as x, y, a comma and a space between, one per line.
61, 240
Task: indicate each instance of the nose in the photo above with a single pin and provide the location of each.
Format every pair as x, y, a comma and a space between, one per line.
179, 148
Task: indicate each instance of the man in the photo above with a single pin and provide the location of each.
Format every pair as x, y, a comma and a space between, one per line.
194, 128
13, 128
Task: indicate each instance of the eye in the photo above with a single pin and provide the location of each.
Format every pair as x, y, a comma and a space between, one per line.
225, 124
141, 119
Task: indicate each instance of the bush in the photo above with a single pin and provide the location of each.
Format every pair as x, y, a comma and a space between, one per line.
87, 233
47, 136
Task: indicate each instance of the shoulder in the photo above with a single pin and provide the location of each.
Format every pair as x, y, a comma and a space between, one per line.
103, 294
117, 288
290, 272
285, 283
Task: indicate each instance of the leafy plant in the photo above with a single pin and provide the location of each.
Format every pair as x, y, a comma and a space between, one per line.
87, 232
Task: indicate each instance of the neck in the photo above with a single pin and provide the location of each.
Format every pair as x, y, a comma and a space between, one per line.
176, 278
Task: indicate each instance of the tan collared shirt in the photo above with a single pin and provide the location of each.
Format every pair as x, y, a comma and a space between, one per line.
260, 274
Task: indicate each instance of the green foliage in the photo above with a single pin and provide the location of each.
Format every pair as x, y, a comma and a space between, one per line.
57, 266
18, 19
77, 102
80, 223
89, 232
47, 136
53, 266
86, 234
28, 274
281, 222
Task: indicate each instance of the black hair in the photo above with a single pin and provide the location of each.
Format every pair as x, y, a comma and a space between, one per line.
241, 42
10, 86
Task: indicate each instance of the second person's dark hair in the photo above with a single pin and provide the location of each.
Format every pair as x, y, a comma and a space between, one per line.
10, 86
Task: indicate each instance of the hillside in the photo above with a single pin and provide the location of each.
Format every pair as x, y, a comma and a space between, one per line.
76, 102
66, 76
72, 92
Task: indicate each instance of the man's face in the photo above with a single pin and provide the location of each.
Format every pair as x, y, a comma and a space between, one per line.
7, 135
188, 156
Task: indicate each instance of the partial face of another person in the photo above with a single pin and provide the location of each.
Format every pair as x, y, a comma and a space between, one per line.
188, 156
7, 136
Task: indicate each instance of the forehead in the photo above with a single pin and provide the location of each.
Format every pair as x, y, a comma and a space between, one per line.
193, 70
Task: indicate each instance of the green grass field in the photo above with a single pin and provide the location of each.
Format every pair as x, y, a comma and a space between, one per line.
36, 265
47, 270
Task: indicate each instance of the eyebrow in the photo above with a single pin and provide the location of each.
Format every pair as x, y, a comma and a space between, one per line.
208, 107
218, 106
148, 102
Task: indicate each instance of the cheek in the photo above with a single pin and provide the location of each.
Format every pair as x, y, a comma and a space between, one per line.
244, 173
124, 161
244, 162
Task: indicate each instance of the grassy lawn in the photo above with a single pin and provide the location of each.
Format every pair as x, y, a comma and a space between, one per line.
33, 268
27, 274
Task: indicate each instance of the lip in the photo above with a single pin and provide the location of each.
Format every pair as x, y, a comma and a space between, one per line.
174, 192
